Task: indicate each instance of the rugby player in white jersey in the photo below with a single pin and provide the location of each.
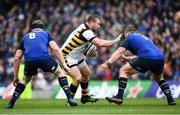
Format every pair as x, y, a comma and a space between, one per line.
73, 50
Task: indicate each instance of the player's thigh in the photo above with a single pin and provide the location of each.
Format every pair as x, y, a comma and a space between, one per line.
127, 70
75, 73
140, 64
30, 68
73, 60
157, 66
50, 65
85, 71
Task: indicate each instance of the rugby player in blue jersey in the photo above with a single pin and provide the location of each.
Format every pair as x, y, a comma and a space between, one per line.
34, 46
148, 57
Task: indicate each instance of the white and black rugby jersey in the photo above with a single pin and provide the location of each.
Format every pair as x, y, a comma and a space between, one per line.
78, 40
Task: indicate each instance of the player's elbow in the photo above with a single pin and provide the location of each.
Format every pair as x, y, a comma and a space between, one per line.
121, 50
100, 44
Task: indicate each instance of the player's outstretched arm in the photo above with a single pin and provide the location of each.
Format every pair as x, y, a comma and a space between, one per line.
16, 63
106, 43
115, 56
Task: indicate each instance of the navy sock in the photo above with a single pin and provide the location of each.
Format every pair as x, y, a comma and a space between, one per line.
165, 88
18, 91
64, 84
84, 89
73, 89
122, 87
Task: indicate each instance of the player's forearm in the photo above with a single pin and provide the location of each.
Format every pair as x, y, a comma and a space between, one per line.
116, 55
105, 43
59, 56
16, 64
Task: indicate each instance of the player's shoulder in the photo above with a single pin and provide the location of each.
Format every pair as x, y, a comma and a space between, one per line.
80, 27
134, 35
84, 27
44, 33
26, 35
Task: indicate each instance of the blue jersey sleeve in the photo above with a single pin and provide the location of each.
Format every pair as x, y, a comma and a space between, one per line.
21, 45
50, 38
125, 43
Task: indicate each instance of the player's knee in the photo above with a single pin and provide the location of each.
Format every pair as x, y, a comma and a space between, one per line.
85, 76
158, 78
59, 72
85, 79
123, 72
78, 79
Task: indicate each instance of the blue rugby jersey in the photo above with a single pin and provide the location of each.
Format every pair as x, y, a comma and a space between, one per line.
35, 45
142, 46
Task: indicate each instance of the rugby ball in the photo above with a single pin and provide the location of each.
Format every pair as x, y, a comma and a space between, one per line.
89, 48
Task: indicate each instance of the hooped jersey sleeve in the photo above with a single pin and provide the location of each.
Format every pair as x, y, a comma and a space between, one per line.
89, 35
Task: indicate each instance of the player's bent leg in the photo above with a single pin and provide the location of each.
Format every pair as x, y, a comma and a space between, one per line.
165, 88
127, 70
124, 72
76, 76
85, 71
18, 91
64, 84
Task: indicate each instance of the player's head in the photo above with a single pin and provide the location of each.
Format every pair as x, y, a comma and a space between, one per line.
37, 24
129, 29
94, 22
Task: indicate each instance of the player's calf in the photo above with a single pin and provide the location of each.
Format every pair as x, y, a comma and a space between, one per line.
17, 92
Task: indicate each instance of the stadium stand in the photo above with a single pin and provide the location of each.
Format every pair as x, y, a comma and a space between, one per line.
159, 19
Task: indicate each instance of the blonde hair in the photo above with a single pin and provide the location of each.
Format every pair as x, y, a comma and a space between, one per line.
37, 24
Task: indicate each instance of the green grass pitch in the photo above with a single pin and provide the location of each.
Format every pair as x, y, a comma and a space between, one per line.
57, 106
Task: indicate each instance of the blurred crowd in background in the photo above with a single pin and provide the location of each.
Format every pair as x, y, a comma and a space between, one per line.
158, 19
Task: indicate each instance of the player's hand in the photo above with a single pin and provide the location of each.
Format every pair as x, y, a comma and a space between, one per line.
123, 58
102, 67
15, 81
118, 38
92, 53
